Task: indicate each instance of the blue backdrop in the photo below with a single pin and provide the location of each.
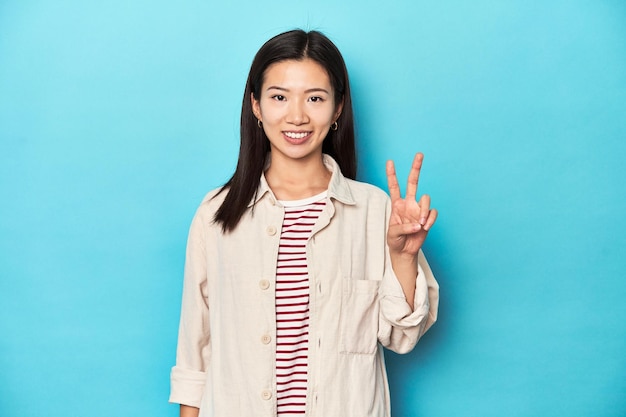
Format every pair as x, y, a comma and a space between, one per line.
116, 117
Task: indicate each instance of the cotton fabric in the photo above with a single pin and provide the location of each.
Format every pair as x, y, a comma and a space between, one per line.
225, 362
292, 305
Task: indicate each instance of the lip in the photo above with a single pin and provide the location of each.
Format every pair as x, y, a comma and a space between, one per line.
297, 141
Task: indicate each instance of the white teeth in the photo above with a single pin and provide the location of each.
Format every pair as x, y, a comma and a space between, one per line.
294, 135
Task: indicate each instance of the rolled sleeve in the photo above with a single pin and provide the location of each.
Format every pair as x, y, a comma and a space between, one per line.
186, 386
188, 376
399, 327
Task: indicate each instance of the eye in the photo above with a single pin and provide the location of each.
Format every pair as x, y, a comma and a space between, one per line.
316, 99
278, 97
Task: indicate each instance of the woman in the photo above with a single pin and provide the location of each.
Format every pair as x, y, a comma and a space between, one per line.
296, 275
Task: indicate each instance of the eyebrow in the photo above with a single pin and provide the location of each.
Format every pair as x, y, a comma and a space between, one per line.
310, 90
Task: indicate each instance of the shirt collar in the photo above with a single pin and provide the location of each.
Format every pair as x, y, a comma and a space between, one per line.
338, 187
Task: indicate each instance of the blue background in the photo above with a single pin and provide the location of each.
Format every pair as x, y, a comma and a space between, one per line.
116, 117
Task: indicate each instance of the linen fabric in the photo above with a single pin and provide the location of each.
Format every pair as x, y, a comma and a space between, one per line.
225, 361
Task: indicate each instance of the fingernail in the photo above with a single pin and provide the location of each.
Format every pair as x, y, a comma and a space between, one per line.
423, 221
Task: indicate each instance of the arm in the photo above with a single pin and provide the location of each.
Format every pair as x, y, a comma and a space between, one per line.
409, 292
193, 352
402, 324
409, 224
187, 411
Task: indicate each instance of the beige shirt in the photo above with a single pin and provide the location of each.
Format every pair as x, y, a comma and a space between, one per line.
225, 362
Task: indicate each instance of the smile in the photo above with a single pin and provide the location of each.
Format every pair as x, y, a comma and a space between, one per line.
297, 135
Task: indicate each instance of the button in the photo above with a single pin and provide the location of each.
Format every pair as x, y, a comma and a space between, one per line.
266, 394
264, 284
266, 339
271, 230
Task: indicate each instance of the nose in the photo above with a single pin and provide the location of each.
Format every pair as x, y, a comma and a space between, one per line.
297, 113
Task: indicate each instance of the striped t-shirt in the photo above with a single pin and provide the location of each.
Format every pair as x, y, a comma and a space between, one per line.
292, 304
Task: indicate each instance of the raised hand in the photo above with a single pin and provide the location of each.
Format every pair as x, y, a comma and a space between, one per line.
411, 219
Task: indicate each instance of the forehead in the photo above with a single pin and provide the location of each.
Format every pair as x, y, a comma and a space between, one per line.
292, 74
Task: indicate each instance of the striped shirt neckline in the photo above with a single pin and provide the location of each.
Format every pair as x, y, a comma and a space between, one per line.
303, 201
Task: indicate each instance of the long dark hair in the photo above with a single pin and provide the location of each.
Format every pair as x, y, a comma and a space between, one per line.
293, 45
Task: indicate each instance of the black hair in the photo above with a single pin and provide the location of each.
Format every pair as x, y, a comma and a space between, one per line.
340, 144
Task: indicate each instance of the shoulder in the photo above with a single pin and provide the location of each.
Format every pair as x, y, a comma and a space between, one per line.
351, 191
211, 202
216, 195
368, 198
362, 191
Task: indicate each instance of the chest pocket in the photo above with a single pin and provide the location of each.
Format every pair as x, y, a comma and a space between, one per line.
359, 316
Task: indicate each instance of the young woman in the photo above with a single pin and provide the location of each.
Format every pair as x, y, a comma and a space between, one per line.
297, 275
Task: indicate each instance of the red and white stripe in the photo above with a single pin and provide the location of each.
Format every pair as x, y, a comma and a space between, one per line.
292, 306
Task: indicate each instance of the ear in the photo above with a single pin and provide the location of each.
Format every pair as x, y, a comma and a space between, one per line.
338, 111
256, 107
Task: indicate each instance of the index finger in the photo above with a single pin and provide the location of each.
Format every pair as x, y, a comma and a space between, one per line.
392, 181
414, 176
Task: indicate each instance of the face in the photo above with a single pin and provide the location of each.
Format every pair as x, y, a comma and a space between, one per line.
297, 108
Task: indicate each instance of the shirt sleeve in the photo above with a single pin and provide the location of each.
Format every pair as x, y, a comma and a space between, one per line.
399, 327
188, 376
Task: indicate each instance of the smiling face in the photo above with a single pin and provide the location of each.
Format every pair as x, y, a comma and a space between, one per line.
297, 108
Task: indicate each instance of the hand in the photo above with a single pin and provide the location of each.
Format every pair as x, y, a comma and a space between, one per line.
410, 219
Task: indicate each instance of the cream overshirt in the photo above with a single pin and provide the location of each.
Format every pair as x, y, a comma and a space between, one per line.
225, 361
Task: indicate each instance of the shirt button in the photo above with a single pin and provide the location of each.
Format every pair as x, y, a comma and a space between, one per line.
266, 339
271, 230
264, 284
266, 394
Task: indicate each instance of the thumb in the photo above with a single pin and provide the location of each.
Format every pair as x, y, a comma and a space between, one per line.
400, 230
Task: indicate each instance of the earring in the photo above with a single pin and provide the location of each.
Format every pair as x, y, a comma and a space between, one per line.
259, 123
334, 126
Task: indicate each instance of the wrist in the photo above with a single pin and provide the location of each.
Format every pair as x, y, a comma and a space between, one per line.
403, 258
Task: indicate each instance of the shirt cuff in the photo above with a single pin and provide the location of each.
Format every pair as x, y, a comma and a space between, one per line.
186, 386
395, 308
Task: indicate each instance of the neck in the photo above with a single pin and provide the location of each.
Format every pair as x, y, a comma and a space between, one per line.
297, 179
